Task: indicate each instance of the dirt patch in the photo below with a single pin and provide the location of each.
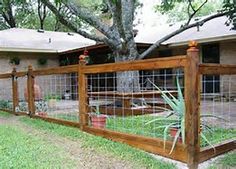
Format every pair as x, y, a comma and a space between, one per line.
84, 157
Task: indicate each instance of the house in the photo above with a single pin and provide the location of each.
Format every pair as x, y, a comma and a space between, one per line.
217, 44
39, 48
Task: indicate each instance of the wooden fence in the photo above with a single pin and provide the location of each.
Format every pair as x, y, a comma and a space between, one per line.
189, 153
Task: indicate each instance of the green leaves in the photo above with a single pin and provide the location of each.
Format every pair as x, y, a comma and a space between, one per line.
230, 7
178, 109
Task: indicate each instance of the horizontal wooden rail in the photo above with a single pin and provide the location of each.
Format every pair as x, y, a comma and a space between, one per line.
153, 145
143, 94
126, 112
217, 69
5, 76
57, 70
223, 147
58, 121
147, 64
21, 74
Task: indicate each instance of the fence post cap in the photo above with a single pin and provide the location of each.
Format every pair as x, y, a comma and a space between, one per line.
192, 46
30, 67
14, 69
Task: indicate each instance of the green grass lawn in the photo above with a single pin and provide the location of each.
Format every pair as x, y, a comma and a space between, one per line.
137, 125
4, 114
68, 117
100, 144
227, 162
19, 150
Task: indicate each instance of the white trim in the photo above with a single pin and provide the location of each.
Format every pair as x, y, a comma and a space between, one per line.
213, 39
8, 49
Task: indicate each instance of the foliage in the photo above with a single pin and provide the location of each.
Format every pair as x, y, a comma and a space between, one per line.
25, 14
96, 110
136, 125
22, 107
14, 60
177, 106
177, 109
178, 11
20, 150
123, 151
230, 5
41, 106
5, 104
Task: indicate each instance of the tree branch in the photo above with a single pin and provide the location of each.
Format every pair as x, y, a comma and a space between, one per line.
88, 17
194, 10
158, 43
71, 25
8, 15
128, 18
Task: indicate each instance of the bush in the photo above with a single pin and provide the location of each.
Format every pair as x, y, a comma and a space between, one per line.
4, 104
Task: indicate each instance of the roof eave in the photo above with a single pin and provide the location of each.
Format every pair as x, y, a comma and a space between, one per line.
9, 49
206, 40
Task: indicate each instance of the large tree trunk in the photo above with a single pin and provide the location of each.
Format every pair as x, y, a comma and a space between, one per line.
127, 81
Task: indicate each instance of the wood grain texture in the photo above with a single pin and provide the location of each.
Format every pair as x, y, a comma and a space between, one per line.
14, 90
217, 69
149, 144
126, 112
30, 90
147, 64
192, 102
56, 70
223, 147
83, 97
143, 94
6, 76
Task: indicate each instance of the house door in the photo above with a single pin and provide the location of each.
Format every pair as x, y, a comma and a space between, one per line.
211, 54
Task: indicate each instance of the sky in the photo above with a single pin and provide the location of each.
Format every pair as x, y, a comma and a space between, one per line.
148, 17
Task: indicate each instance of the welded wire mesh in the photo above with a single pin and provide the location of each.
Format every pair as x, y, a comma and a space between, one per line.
6, 100
22, 94
218, 109
58, 96
131, 101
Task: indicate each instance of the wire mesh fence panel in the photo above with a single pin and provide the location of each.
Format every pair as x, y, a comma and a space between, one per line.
22, 94
6, 100
218, 109
136, 102
58, 96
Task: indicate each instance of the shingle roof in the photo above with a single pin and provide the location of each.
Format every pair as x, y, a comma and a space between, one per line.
213, 30
29, 40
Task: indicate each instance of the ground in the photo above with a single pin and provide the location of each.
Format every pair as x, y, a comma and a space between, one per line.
83, 157
74, 150
69, 148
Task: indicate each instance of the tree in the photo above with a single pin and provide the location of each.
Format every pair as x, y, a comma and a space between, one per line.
6, 9
182, 10
120, 35
42, 13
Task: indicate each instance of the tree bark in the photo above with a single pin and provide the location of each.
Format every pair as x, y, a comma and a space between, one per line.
127, 81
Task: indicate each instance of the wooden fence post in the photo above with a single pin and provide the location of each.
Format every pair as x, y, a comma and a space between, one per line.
30, 90
192, 100
14, 90
83, 95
